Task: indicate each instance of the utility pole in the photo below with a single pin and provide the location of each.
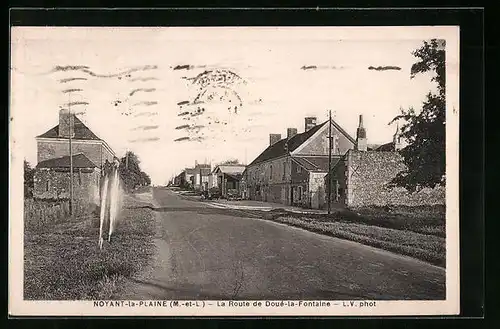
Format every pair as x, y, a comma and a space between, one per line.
70, 158
329, 161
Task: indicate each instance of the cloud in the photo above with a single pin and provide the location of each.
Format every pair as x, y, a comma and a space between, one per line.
384, 68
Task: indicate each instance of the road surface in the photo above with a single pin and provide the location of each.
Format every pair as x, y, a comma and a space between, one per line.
211, 253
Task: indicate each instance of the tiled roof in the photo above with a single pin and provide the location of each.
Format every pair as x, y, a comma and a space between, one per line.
278, 149
79, 161
230, 169
81, 131
316, 163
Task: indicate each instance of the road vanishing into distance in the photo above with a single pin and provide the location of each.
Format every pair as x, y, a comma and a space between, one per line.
213, 254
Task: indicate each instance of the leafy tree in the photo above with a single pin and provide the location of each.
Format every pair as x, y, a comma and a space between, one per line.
424, 130
131, 173
28, 180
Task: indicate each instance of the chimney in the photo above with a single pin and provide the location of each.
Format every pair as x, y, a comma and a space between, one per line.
65, 120
274, 138
290, 132
396, 140
309, 123
361, 136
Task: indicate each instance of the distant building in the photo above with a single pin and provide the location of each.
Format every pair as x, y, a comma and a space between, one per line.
201, 174
291, 170
90, 155
226, 178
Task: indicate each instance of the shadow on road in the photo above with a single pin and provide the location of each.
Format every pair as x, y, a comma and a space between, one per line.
201, 211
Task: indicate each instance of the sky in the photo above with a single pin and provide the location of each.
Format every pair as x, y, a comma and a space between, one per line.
175, 96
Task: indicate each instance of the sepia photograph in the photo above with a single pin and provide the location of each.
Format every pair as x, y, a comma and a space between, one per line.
234, 171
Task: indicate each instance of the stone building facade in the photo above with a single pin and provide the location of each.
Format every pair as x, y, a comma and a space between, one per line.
291, 170
90, 155
55, 142
52, 179
361, 178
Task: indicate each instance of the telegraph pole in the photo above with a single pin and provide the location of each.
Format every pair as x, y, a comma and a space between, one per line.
329, 160
70, 159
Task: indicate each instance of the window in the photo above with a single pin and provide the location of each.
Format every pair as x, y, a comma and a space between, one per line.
271, 172
299, 194
299, 169
79, 177
47, 185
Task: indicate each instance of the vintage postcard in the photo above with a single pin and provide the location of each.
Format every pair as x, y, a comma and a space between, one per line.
234, 171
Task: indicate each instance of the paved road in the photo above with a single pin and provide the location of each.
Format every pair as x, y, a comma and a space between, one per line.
210, 253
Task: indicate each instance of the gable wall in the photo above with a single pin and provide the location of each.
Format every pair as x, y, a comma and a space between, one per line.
318, 144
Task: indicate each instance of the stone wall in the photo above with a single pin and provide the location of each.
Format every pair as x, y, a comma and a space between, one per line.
54, 184
95, 151
369, 174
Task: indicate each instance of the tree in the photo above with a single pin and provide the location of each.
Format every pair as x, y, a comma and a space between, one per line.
424, 156
131, 173
28, 180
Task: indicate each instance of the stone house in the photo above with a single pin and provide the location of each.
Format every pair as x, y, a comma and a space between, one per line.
361, 178
90, 155
227, 178
52, 179
291, 170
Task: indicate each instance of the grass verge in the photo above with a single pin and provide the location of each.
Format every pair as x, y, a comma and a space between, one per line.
417, 232
63, 261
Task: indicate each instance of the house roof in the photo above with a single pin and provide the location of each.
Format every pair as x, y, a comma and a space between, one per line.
316, 163
79, 161
190, 171
385, 147
278, 149
81, 131
230, 169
